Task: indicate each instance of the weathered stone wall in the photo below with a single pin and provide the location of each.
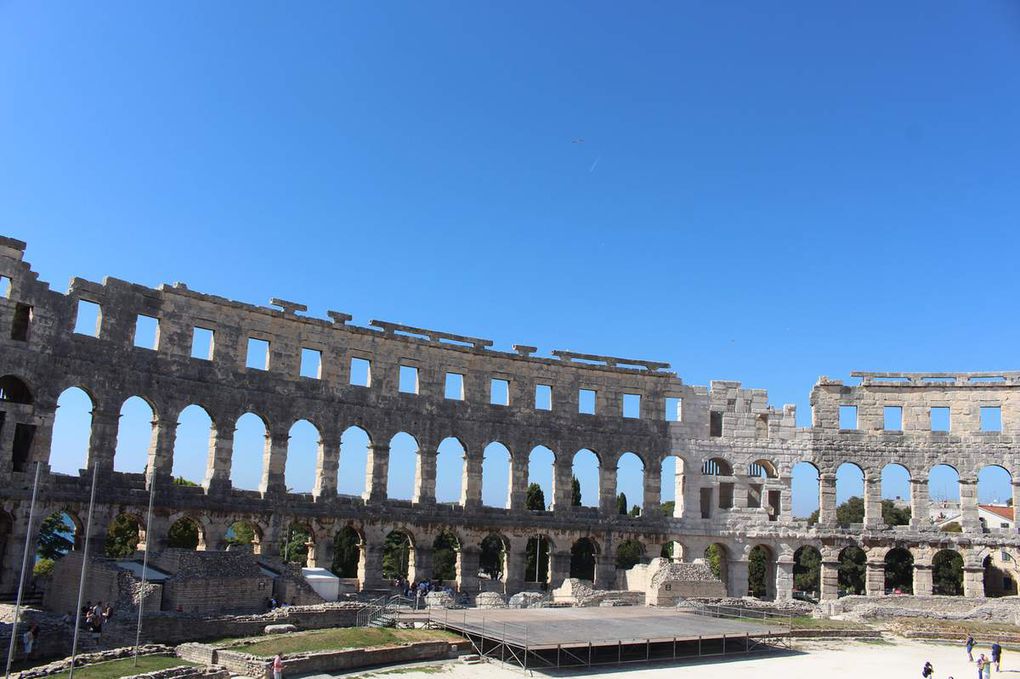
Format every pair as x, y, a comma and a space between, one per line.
735, 451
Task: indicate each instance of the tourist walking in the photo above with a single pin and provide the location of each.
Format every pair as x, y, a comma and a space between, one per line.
28, 639
981, 661
278, 666
997, 656
970, 648
927, 672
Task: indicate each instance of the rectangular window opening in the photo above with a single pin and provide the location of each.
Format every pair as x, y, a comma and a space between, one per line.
706, 503
991, 418
21, 323
715, 424
22, 450
940, 418
5, 287
311, 363
725, 496
674, 409
454, 387
88, 318
361, 372
586, 401
848, 417
408, 379
499, 392
257, 357
543, 397
632, 405
146, 332
203, 342
892, 418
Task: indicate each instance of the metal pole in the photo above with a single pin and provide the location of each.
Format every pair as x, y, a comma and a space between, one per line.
21, 581
145, 566
84, 567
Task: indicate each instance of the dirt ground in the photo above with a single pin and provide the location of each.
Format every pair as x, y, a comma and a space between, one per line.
897, 659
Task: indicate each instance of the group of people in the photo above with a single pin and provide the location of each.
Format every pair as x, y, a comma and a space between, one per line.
93, 617
419, 590
984, 664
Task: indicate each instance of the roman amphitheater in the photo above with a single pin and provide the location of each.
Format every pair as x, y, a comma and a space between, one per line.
734, 451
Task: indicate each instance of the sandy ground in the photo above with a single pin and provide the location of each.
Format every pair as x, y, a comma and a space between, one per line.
894, 660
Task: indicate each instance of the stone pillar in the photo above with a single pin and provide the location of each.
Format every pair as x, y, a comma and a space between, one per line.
217, 470
827, 499
161, 451
471, 482
518, 481
467, 568
922, 579
919, 503
559, 568
1016, 494
562, 473
736, 576
215, 537
973, 581
605, 571
651, 503
102, 440
873, 502
377, 469
785, 501
7, 451
874, 578
274, 463
370, 568
784, 579
327, 463
969, 506
741, 483
829, 580
514, 577
607, 489
425, 477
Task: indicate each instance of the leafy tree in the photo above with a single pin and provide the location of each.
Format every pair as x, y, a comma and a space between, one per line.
346, 553
43, 568
183, 535
621, 504
181, 481
575, 492
537, 560
240, 533
947, 573
853, 566
757, 572
899, 571
582, 560
667, 550
295, 544
668, 508
807, 569
444, 557
122, 538
714, 558
491, 559
535, 498
628, 554
56, 535
396, 555
893, 515
852, 511
635, 511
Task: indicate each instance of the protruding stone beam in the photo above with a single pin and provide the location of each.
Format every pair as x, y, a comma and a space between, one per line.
611, 361
338, 317
289, 308
430, 335
524, 349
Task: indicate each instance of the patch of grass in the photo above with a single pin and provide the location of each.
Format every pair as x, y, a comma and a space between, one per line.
125, 667
955, 628
807, 622
880, 641
333, 639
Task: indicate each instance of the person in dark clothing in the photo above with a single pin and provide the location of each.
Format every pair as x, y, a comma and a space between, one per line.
927, 672
997, 656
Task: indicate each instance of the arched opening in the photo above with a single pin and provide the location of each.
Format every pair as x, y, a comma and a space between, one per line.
354, 443
943, 490
672, 550
761, 572
807, 573
536, 565
717, 558
445, 557
192, 446
717, 491
348, 553
135, 436
72, 430
185, 533
251, 438
496, 475
899, 571
629, 553
450, 471
398, 556
492, 562
947, 573
583, 555
995, 492
1000, 576
759, 494
403, 463
716, 466
59, 533
297, 543
124, 536
804, 490
14, 390
540, 478
244, 536
672, 484
630, 484
584, 482
849, 494
895, 495
302, 457
852, 571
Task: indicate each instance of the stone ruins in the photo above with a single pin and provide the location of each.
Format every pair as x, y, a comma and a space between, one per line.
734, 451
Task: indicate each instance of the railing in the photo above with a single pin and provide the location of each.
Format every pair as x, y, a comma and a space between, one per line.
720, 611
380, 607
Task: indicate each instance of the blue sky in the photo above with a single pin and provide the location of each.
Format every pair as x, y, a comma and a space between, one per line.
765, 192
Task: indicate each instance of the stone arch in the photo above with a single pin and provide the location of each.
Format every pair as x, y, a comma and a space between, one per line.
807, 571
193, 444
541, 471
186, 532
60, 532
398, 560
451, 457
673, 550
762, 469
585, 466
403, 461
629, 553
716, 466
13, 389
852, 570
1001, 571
804, 489
849, 482
994, 486
496, 475
947, 573
302, 456
251, 448
630, 482
896, 489
673, 483
124, 536
536, 562
353, 467
899, 571
943, 488
584, 555
298, 543
244, 535
446, 556
493, 561
136, 435
349, 553
761, 572
717, 556
72, 431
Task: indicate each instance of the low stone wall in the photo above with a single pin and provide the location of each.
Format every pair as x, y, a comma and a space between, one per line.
1005, 609
84, 659
258, 667
582, 593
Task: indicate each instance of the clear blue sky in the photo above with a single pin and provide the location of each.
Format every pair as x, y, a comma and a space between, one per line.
766, 192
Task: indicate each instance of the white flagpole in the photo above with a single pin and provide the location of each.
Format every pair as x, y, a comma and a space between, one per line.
84, 568
24, 569
145, 564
